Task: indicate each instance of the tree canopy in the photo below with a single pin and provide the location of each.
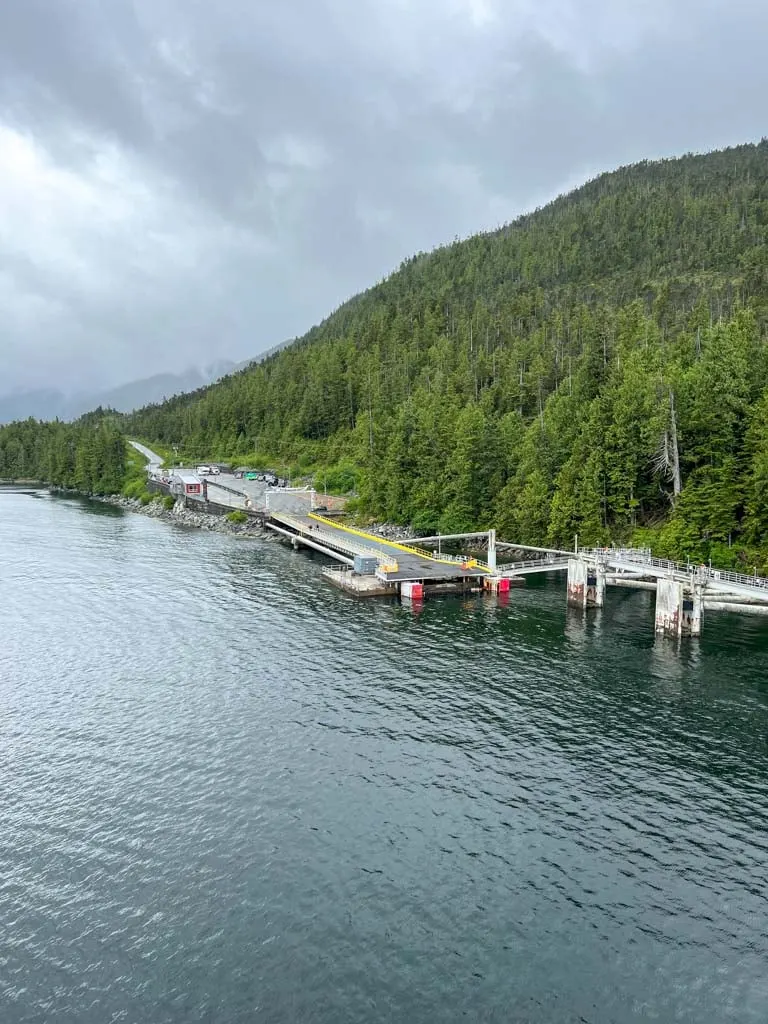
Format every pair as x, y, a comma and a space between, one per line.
88, 456
595, 367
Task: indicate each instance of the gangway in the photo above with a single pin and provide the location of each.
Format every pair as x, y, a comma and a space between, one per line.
683, 590
722, 581
551, 563
396, 562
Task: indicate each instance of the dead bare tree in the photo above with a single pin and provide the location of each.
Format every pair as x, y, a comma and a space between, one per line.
666, 461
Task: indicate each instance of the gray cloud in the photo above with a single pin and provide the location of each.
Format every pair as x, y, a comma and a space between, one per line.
185, 180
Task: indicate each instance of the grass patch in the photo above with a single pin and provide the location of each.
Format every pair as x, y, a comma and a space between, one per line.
166, 453
135, 479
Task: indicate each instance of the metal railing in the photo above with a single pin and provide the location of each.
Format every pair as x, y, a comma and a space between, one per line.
463, 560
644, 553
336, 570
407, 548
551, 562
348, 545
226, 487
696, 573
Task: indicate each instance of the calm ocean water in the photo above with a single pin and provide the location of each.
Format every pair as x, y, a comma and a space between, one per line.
229, 793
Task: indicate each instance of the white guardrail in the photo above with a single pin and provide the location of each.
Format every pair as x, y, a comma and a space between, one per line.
344, 541
642, 557
441, 556
550, 562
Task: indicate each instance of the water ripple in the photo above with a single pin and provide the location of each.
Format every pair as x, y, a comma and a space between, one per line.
230, 794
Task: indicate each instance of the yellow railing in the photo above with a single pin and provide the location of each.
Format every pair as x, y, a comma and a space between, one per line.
371, 536
471, 563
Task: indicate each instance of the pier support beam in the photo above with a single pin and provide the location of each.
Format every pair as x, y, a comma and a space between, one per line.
586, 583
678, 610
492, 550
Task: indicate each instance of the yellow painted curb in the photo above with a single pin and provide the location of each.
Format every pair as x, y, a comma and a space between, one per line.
472, 563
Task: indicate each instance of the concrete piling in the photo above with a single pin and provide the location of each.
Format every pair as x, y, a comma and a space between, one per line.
678, 608
586, 583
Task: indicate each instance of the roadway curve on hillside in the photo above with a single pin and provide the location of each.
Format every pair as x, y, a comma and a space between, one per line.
155, 461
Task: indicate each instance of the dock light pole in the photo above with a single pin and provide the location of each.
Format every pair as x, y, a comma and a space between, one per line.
575, 543
492, 550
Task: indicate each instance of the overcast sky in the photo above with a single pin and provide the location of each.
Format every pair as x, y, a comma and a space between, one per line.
186, 180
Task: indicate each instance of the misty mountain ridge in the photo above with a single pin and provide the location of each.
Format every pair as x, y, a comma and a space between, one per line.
50, 404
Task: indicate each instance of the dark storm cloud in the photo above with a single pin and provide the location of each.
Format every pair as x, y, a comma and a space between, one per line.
65, 59
186, 179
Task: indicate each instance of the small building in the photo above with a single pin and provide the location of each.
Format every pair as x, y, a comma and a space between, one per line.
188, 484
365, 565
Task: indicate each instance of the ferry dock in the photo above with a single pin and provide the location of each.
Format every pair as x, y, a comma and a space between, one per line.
367, 565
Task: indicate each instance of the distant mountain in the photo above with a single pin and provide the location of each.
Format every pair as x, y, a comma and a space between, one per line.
138, 393
46, 404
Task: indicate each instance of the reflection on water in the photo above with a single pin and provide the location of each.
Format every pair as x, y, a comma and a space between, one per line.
232, 793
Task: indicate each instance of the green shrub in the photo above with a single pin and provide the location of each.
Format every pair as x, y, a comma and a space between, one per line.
145, 498
424, 524
338, 479
169, 501
237, 516
135, 488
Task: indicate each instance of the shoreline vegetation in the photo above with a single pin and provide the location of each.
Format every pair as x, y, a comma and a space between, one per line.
179, 515
595, 369
176, 513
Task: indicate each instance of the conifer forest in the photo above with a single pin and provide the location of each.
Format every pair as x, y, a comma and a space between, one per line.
598, 368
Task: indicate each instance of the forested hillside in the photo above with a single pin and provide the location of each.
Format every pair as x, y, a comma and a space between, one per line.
88, 455
596, 367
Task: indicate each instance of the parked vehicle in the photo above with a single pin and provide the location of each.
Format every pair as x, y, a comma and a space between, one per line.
203, 470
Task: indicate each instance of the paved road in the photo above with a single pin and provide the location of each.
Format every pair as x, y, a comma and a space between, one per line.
227, 489
293, 508
409, 566
154, 460
220, 489
221, 495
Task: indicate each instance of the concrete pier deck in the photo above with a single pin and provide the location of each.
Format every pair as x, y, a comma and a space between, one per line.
400, 563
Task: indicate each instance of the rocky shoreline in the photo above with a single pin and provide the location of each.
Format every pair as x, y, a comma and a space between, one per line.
181, 516
214, 522
389, 531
